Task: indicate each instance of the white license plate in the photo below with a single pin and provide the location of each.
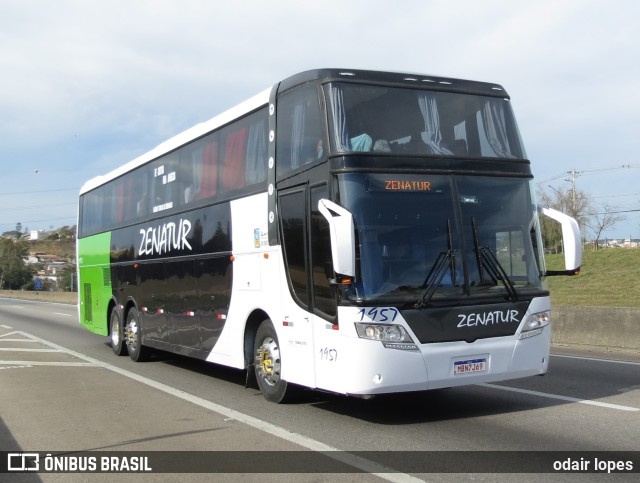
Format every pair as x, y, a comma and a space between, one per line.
470, 366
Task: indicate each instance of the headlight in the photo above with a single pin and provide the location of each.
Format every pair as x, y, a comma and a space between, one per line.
392, 336
534, 324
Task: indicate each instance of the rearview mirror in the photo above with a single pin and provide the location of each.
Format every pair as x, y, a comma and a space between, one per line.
571, 240
342, 233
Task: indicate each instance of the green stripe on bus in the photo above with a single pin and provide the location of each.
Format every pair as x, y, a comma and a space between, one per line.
95, 281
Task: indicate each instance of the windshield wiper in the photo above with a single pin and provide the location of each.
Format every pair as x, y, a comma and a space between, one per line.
444, 260
487, 260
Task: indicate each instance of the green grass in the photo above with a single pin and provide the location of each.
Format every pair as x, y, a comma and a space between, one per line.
608, 278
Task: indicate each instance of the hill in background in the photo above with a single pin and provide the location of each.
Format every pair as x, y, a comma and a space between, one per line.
608, 278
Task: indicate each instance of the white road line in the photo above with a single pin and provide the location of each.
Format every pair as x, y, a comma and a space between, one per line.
41, 363
282, 433
13, 332
6, 326
60, 313
561, 398
21, 349
17, 340
596, 359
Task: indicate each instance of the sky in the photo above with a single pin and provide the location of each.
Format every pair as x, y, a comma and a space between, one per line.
86, 86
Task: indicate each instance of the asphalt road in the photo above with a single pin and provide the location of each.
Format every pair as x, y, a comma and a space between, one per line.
63, 391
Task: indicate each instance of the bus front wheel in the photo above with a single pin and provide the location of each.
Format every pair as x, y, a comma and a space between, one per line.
116, 336
133, 337
268, 364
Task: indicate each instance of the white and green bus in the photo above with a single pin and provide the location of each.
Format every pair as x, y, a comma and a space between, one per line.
350, 231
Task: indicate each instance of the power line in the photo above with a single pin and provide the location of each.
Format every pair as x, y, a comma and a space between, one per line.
616, 212
575, 173
616, 196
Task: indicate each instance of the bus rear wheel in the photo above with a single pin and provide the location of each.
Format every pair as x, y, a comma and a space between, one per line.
268, 364
133, 337
116, 334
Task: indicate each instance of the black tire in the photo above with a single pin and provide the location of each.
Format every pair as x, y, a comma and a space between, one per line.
268, 363
116, 334
133, 337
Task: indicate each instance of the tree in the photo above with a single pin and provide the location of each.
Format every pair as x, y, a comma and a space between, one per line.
580, 206
601, 220
13, 272
66, 278
573, 203
64, 233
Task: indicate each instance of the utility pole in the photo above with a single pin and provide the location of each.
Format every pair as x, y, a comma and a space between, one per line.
574, 174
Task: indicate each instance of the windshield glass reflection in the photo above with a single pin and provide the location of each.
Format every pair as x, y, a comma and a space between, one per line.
423, 238
405, 121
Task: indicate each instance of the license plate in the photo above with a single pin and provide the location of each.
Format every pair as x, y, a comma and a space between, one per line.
470, 366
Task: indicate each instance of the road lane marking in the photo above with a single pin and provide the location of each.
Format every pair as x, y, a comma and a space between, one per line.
6, 327
17, 340
355, 461
14, 332
42, 363
32, 339
65, 315
596, 359
561, 398
22, 349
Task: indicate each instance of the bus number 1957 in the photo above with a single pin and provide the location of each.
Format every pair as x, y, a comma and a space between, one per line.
327, 354
375, 314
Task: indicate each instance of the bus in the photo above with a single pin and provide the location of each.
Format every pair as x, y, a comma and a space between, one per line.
349, 231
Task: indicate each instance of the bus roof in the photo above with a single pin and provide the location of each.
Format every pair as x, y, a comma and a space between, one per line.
395, 78
324, 75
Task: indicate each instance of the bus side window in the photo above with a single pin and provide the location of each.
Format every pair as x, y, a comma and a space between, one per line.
190, 159
235, 146
244, 158
257, 149
209, 168
300, 139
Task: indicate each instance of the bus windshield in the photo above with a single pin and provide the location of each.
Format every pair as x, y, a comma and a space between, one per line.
446, 235
367, 118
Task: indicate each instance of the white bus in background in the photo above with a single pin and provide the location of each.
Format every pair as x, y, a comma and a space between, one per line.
357, 232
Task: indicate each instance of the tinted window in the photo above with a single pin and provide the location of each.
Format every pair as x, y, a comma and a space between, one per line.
292, 211
300, 133
322, 266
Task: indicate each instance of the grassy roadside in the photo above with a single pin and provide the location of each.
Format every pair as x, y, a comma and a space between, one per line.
59, 297
608, 278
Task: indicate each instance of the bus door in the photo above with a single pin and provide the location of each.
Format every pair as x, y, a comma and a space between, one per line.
307, 252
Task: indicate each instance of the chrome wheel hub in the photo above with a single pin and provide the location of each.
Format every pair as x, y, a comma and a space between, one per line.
267, 361
131, 334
